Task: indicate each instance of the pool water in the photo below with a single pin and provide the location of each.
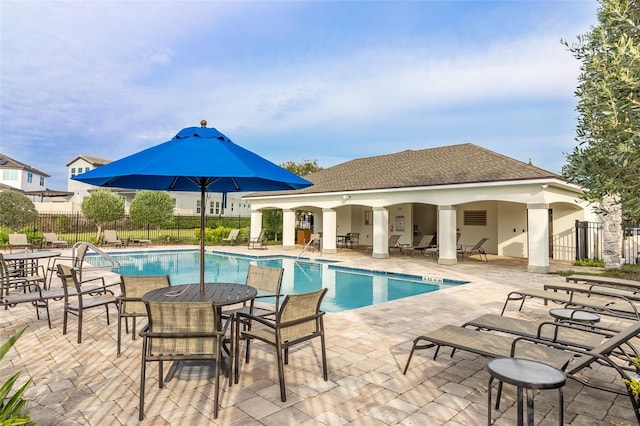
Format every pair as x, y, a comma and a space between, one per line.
349, 288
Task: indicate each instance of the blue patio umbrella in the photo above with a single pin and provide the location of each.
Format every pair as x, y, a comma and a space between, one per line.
197, 159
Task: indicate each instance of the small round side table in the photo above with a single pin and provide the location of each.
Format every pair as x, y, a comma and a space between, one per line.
574, 315
529, 375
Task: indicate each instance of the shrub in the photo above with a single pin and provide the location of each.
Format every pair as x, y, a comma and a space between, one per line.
12, 406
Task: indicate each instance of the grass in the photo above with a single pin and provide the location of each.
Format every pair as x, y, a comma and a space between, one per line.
627, 272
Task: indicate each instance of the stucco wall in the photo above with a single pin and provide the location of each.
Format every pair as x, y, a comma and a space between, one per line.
470, 235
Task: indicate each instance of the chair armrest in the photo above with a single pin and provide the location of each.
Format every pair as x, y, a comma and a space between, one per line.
263, 321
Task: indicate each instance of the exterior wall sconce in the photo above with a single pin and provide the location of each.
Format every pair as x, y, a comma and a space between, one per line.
545, 186
346, 196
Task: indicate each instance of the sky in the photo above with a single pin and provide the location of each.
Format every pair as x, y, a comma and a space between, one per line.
328, 81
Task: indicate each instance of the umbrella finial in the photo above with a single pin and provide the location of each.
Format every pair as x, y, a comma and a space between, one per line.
203, 123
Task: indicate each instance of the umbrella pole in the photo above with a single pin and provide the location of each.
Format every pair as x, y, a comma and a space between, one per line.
202, 221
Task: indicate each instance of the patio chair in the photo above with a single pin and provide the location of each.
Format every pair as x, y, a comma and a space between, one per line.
605, 303
352, 239
51, 240
179, 332
78, 298
130, 303
232, 237
17, 288
258, 242
19, 241
473, 249
267, 280
298, 320
111, 238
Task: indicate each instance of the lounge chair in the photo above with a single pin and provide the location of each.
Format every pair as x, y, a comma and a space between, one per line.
51, 240
352, 239
477, 248
608, 281
130, 303
569, 333
599, 302
232, 237
570, 359
633, 295
258, 242
111, 238
19, 241
422, 244
394, 242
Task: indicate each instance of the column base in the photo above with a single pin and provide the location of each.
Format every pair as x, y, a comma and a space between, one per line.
329, 251
380, 255
443, 261
539, 269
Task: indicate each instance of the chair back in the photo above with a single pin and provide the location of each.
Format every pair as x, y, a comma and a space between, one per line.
69, 280
182, 328
393, 240
425, 240
50, 237
18, 239
479, 244
266, 279
135, 286
297, 307
110, 236
261, 235
4, 274
233, 234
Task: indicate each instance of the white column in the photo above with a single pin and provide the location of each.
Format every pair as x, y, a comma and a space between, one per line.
447, 235
256, 223
380, 233
328, 231
288, 229
538, 247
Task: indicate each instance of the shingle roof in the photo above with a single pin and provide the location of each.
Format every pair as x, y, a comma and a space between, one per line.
94, 161
455, 164
7, 162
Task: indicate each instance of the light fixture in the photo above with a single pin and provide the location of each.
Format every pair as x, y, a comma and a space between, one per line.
346, 196
545, 186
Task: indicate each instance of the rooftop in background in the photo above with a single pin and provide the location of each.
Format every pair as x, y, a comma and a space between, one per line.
94, 161
454, 164
7, 162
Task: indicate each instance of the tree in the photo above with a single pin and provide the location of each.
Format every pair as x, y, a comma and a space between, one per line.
301, 169
16, 210
103, 207
273, 218
151, 207
606, 161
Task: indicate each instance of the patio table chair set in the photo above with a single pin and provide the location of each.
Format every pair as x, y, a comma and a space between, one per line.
178, 331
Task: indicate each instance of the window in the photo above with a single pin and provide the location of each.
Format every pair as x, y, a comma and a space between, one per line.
198, 206
9, 175
29, 177
86, 169
214, 207
41, 180
475, 218
73, 171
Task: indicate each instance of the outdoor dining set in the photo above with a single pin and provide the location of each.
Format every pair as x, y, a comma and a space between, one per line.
183, 323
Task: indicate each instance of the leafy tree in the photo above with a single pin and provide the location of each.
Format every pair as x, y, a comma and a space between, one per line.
301, 169
273, 217
16, 210
103, 207
151, 207
607, 158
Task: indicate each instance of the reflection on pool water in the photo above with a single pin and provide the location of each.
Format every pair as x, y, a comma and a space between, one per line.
349, 288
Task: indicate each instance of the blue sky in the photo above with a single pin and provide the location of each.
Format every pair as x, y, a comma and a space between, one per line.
299, 80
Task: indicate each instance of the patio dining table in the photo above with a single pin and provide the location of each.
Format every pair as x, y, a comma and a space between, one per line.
29, 260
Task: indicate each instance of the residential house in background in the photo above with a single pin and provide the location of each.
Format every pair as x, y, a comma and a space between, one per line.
21, 176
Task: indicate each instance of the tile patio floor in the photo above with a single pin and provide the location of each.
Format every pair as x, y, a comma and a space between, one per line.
86, 384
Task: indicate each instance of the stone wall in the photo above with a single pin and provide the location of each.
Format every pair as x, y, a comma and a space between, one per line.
612, 233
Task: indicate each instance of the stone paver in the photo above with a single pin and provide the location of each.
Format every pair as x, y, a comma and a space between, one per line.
367, 348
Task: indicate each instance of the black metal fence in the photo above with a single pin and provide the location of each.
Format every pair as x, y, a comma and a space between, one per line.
590, 244
73, 227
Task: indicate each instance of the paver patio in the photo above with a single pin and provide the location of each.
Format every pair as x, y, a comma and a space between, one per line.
86, 384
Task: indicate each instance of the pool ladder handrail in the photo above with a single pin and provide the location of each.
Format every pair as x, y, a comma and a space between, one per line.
304, 248
114, 264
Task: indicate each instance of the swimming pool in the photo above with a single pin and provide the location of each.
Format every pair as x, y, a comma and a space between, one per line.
349, 288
